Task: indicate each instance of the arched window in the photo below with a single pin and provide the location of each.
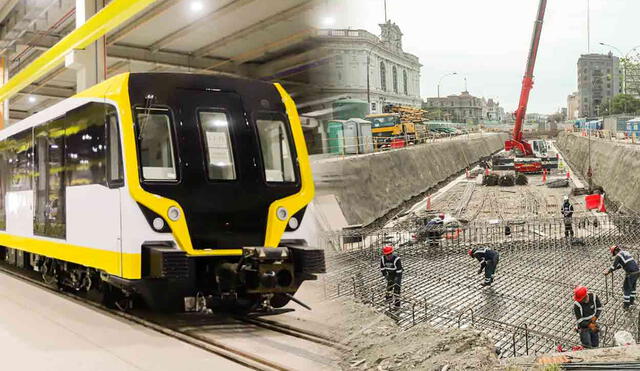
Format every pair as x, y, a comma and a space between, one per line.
395, 79
404, 79
383, 76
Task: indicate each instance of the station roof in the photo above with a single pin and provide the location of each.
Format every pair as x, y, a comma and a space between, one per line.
270, 40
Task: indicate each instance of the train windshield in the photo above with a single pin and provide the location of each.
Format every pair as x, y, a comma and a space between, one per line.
276, 148
156, 145
215, 130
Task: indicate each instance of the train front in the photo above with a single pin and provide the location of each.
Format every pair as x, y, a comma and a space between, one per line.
231, 154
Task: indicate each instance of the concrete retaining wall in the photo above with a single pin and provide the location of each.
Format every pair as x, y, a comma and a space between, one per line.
369, 186
616, 166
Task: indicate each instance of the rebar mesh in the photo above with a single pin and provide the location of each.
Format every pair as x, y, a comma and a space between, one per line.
528, 309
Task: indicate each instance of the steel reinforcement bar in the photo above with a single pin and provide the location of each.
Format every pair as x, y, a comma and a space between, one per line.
529, 308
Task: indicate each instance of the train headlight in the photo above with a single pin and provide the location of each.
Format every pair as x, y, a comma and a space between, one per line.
293, 223
158, 224
173, 213
282, 213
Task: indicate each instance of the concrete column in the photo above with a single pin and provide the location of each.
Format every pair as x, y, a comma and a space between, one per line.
324, 139
4, 106
89, 63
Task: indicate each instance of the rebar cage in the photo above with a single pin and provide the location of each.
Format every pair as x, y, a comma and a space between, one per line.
529, 307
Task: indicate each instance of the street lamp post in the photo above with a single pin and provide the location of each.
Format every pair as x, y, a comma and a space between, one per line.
443, 76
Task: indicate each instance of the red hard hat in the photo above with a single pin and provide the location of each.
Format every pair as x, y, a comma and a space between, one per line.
579, 293
470, 252
613, 249
387, 250
441, 215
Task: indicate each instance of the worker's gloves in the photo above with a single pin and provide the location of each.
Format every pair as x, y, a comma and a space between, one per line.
607, 271
593, 327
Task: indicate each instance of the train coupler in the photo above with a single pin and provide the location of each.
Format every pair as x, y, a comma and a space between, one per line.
267, 270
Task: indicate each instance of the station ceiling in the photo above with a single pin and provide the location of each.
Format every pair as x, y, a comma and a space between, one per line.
270, 40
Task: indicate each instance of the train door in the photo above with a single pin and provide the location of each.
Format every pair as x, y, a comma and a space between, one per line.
115, 171
221, 151
93, 181
50, 211
4, 177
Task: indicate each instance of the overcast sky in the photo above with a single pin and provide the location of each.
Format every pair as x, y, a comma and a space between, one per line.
488, 41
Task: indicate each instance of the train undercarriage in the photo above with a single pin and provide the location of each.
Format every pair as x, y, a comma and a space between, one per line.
262, 279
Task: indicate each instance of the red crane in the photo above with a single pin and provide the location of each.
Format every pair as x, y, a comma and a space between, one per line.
516, 142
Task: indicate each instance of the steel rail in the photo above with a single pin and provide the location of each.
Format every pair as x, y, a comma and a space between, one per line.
295, 332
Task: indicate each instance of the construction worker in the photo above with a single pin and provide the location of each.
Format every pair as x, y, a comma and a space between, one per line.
567, 213
587, 309
488, 262
435, 229
391, 268
625, 261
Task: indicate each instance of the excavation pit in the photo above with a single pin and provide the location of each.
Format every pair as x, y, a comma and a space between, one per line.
529, 308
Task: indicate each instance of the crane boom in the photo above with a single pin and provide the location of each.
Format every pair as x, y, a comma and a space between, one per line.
516, 141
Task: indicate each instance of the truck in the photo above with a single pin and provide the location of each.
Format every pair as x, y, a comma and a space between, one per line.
396, 127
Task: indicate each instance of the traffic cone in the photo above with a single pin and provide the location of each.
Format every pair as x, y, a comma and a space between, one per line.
544, 176
568, 175
467, 172
429, 203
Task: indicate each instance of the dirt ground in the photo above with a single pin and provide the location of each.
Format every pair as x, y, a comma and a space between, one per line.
620, 354
469, 200
377, 343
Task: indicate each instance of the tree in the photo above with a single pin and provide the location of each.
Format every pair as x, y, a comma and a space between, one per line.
434, 114
556, 117
625, 103
603, 109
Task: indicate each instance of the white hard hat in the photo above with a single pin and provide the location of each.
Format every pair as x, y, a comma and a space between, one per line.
566, 198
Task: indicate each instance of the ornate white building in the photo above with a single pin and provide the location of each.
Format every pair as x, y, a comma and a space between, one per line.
366, 67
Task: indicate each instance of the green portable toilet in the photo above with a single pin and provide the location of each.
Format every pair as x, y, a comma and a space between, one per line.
335, 134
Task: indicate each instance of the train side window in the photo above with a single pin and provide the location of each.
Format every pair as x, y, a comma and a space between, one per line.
20, 159
86, 145
215, 130
156, 145
114, 153
277, 157
49, 159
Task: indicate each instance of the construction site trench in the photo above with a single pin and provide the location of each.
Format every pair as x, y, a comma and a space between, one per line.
529, 308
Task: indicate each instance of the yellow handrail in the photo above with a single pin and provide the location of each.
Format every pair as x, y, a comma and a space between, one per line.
110, 17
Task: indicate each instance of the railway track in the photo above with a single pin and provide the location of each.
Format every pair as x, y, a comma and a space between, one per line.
295, 331
207, 332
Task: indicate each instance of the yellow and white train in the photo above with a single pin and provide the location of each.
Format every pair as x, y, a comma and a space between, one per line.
161, 187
